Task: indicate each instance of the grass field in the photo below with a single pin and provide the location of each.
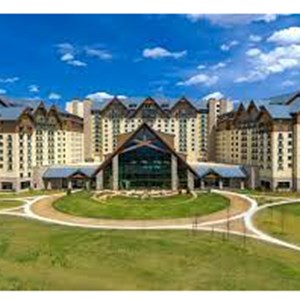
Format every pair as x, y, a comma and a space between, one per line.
48, 257
287, 194
282, 222
9, 203
180, 206
29, 193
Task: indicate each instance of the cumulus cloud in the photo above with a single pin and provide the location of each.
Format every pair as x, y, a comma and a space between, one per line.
102, 96
263, 64
72, 55
253, 52
159, 52
54, 96
33, 88
229, 45
214, 95
67, 57
286, 36
200, 79
2, 91
9, 80
201, 67
98, 53
76, 63
228, 20
288, 83
255, 38
67, 53
64, 48
219, 65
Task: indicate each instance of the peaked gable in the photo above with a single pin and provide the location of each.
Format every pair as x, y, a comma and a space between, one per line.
142, 130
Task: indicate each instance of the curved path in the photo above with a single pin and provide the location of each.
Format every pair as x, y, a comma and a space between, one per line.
238, 219
43, 209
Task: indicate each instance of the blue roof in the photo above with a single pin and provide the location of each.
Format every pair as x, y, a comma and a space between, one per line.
225, 171
67, 171
279, 111
10, 113
281, 99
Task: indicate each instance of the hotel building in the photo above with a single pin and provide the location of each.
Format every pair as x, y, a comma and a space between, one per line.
34, 136
263, 137
189, 122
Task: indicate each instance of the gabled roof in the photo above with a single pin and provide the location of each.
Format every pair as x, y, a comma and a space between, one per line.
284, 99
11, 113
184, 100
152, 101
281, 112
223, 170
131, 135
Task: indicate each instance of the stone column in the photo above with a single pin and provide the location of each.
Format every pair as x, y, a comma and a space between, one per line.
115, 171
69, 184
220, 184
49, 185
174, 172
87, 184
99, 180
190, 180
202, 184
242, 184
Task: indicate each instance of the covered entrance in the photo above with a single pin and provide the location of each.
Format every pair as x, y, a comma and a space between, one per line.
145, 159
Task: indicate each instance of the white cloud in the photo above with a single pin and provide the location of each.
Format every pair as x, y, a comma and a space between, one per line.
228, 20
253, 52
76, 63
200, 79
67, 57
99, 53
286, 36
255, 38
201, 67
159, 52
219, 65
68, 54
33, 88
2, 91
9, 80
101, 96
214, 95
65, 48
229, 45
54, 96
263, 64
288, 83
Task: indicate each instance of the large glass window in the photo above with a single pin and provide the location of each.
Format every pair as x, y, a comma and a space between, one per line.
145, 167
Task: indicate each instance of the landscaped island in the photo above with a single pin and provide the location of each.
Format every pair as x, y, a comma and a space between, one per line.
121, 207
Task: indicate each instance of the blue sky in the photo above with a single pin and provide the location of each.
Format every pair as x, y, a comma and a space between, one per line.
60, 57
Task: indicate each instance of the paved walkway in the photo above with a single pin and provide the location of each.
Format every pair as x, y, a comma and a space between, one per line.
44, 208
238, 219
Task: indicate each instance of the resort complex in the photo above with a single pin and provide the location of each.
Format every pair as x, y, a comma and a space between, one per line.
124, 144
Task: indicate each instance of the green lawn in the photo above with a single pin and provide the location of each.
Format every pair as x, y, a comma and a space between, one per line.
29, 193
180, 206
9, 203
287, 194
282, 222
37, 256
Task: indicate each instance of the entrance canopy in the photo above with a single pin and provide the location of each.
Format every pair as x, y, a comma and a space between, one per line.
220, 170
145, 158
